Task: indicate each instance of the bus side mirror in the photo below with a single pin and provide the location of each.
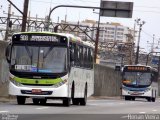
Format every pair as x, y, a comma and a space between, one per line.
7, 53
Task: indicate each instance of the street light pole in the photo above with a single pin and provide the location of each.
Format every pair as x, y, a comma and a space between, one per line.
8, 20
152, 49
97, 39
139, 36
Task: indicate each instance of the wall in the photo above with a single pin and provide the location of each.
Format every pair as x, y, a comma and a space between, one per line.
107, 81
3, 71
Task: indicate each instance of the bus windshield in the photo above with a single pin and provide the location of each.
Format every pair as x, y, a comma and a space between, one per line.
44, 59
137, 78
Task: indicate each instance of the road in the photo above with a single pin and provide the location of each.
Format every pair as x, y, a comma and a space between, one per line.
95, 109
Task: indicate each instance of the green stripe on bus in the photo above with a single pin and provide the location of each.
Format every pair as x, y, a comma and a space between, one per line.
37, 81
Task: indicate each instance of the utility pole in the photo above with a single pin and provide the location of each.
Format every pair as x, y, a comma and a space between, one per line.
159, 76
8, 20
152, 47
97, 36
139, 36
25, 11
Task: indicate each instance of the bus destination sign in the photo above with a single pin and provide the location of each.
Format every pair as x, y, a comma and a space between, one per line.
40, 38
136, 68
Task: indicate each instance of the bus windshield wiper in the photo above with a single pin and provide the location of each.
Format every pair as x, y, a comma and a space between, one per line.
47, 53
28, 52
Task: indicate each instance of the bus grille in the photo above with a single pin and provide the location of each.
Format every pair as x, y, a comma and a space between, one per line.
41, 93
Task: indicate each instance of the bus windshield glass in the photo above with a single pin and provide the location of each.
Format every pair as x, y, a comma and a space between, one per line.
43, 59
137, 78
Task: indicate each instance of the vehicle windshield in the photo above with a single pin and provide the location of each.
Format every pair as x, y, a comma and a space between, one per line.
137, 78
39, 59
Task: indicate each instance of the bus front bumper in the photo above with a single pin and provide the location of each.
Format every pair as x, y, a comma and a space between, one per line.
38, 91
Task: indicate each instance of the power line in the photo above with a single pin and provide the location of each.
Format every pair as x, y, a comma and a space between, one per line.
147, 7
147, 34
86, 1
147, 11
45, 2
151, 36
61, 3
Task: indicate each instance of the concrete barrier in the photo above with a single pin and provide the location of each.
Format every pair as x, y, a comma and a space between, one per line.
3, 70
107, 81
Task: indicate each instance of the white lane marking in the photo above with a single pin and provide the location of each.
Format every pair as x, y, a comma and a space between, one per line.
42, 108
154, 110
121, 103
110, 103
131, 102
3, 111
124, 116
142, 112
94, 104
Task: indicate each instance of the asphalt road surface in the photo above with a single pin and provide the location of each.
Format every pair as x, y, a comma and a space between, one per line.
96, 109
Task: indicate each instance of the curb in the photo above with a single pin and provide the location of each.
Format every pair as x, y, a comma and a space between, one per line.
105, 97
7, 99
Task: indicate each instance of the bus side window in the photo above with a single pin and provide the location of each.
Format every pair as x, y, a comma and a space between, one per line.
92, 58
85, 57
81, 56
71, 50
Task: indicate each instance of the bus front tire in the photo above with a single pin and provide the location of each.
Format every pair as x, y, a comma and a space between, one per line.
153, 99
133, 98
66, 102
83, 100
127, 98
75, 101
21, 100
149, 99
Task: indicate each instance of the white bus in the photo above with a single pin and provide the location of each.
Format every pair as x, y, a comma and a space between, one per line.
139, 81
45, 65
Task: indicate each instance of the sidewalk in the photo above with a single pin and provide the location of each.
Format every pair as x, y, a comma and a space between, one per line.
11, 98
7, 99
104, 97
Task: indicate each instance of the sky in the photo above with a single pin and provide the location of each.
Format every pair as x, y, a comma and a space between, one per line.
146, 10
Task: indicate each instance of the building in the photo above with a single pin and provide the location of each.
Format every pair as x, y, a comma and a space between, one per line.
112, 32
79, 28
109, 32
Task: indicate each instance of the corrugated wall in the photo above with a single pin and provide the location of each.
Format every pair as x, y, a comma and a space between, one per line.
107, 81
3, 70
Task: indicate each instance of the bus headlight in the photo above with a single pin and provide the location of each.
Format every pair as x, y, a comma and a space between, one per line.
15, 82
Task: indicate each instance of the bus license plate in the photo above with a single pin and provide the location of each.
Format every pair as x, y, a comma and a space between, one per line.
36, 90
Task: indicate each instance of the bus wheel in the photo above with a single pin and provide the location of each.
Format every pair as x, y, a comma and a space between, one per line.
35, 101
149, 99
67, 102
75, 101
153, 99
83, 101
21, 100
133, 98
127, 98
